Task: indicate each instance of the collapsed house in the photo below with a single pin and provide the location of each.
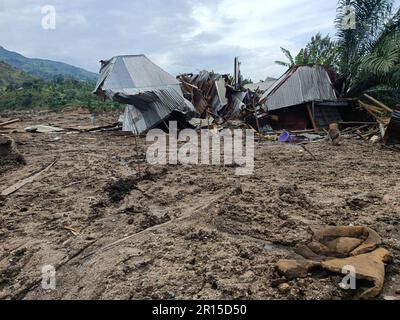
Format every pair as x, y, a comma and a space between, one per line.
152, 95
216, 95
304, 98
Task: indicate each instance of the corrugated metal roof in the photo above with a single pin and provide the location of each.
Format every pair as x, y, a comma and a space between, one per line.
133, 72
299, 85
263, 86
151, 93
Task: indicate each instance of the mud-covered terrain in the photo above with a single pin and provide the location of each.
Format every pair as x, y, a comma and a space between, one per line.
182, 232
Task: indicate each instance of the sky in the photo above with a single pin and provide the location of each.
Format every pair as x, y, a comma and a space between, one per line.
179, 35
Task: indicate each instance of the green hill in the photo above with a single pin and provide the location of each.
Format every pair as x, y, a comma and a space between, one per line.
45, 69
21, 91
12, 78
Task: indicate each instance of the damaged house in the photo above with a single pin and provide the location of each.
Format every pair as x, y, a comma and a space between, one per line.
153, 96
304, 98
212, 94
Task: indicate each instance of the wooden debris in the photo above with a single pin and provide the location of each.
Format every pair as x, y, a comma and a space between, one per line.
7, 123
378, 103
74, 231
378, 118
24, 182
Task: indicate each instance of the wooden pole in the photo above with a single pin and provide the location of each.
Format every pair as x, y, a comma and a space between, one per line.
311, 117
378, 103
4, 124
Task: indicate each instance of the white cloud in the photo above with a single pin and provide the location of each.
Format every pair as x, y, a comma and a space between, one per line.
180, 35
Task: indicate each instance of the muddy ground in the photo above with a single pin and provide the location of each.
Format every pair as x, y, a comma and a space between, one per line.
194, 232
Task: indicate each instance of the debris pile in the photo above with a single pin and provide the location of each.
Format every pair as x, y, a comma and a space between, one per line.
387, 119
213, 95
304, 100
335, 249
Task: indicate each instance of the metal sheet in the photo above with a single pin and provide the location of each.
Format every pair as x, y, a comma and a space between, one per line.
151, 93
299, 85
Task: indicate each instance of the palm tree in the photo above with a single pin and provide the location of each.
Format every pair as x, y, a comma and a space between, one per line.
323, 51
369, 54
290, 63
320, 50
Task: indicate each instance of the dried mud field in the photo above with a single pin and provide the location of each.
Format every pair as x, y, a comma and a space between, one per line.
182, 232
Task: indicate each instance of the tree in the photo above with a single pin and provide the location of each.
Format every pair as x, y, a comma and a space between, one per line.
369, 53
290, 63
320, 50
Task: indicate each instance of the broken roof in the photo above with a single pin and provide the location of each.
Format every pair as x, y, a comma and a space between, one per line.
263, 85
131, 75
152, 93
300, 84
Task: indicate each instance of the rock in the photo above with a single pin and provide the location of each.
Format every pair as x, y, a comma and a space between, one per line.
277, 282
390, 298
388, 198
293, 269
362, 200
6, 144
284, 288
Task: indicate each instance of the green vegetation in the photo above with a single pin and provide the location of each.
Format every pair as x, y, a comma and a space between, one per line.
370, 53
366, 57
11, 77
320, 50
45, 69
20, 91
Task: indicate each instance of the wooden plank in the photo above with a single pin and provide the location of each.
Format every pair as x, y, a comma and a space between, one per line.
378, 103
357, 123
362, 104
24, 182
312, 118
7, 123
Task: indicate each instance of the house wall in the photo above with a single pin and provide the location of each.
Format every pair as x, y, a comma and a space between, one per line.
293, 118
